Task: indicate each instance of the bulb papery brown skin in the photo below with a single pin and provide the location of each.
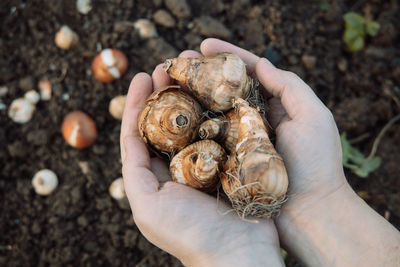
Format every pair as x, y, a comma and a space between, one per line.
215, 80
255, 177
170, 119
79, 130
223, 129
109, 65
199, 165
66, 38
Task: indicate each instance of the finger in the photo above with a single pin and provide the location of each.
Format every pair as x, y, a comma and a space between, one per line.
275, 112
297, 98
212, 46
189, 53
160, 77
136, 169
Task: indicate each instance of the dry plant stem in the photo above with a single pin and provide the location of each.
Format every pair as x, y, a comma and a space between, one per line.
199, 165
380, 136
170, 120
255, 177
215, 81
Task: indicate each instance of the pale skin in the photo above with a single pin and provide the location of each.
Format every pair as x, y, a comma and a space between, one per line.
324, 223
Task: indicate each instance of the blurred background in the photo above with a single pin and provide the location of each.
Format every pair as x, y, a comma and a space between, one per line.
347, 51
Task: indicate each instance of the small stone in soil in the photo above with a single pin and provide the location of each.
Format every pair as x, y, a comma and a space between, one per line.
210, 27
342, 65
163, 18
179, 8
309, 61
27, 83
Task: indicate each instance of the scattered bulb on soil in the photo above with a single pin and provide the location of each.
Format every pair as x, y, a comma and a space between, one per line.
66, 38
21, 110
109, 65
79, 130
45, 89
116, 106
84, 6
45, 182
117, 190
32, 96
146, 28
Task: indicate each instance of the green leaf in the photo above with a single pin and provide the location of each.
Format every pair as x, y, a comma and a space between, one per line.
372, 164
355, 44
354, 160
372, 27
355, 20
361, 173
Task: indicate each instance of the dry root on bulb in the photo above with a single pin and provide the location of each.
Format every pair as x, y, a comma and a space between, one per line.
170, 120
214, 80
254, 178
223, 129
199, 165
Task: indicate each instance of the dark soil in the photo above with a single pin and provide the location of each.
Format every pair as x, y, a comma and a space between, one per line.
80, 224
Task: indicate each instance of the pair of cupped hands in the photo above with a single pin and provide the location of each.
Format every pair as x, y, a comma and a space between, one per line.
191, 225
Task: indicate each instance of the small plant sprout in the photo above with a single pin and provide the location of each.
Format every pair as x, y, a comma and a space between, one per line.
117, 190
116, 106
32, 96
145, 28
79, 130
356, 161
356, 27
109, 65
44, 182
21, 110
66, 38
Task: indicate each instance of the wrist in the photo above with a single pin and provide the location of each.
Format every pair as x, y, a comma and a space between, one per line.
339, 228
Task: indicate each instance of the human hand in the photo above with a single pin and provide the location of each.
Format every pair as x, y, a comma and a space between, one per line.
180, 220
320, 222
306, 133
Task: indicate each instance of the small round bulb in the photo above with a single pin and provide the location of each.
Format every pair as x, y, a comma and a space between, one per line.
79, 130
145, 28
66, 38
44, 182
32, 96
109, 65
21, 110
117, 190
116, 106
